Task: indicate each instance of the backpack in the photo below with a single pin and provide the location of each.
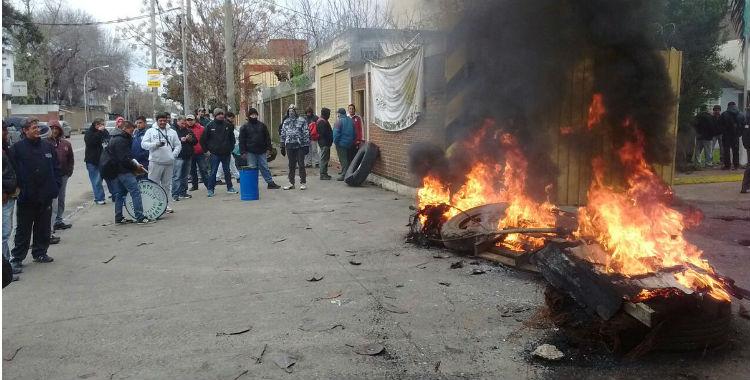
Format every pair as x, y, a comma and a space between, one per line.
314, 135
107, 164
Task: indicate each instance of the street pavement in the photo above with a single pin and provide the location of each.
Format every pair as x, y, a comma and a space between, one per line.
161, 301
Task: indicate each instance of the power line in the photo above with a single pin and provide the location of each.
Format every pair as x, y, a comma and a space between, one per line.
118, 21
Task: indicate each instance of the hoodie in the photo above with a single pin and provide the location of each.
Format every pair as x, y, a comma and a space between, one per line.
254, 137
64, 152
343, 131
161, 154
294, 131
731, 122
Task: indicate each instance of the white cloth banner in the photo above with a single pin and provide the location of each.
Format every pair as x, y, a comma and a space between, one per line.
397, 92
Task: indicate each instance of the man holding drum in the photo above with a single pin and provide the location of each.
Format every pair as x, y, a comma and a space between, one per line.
164, 146
125, 182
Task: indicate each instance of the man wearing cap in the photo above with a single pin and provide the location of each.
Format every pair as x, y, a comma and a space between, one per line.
65, 158
39, 177
203, 117
140, 154
295, 141
182, 162
218, 139
255, 143
198, 163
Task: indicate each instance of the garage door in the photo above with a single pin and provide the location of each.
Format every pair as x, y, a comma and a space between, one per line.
327, 92
342, 89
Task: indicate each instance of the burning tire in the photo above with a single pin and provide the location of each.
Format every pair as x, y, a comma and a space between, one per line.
460, 232
361, 164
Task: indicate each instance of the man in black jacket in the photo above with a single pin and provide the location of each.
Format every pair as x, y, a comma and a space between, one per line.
120, 151
324, 142
96, 138
39, 178
182, 163
730, 122
10, 191
255, 143
705, 127
218, 139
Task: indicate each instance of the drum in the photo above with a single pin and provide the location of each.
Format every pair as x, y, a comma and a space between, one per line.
155, 200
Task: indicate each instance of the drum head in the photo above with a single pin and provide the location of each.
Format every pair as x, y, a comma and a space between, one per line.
154, 200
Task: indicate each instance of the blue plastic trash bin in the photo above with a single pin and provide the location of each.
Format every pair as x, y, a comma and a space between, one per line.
249, 184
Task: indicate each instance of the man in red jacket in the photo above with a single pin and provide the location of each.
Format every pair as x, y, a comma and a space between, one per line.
358, 136
199, 155
67, 162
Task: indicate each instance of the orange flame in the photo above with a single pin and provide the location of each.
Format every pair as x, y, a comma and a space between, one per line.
596, 111
637, 228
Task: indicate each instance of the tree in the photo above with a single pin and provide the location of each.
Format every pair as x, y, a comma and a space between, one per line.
696, 29
18, 27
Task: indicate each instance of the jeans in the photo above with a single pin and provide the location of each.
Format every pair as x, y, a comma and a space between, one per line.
32, 218
313, 158
225, 162
296, 158
198, 164
708, 147
731, 152
58, 204
232, 169
124, 184
96, 182
180, 177
260, 162
343, 154
325, 156
7, 225
161, 174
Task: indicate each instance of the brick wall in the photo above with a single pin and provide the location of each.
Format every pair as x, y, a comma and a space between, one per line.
358, 82
306, 99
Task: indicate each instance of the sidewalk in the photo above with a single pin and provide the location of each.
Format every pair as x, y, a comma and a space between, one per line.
154, 302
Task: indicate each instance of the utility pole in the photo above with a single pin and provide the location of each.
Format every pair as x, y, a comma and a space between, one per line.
229, 54
185, 90
154, 91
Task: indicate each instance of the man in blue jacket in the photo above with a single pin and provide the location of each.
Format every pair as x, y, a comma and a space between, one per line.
140, 154
39, 179
343, 138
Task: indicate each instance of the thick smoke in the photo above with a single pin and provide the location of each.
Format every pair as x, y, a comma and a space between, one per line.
521, 55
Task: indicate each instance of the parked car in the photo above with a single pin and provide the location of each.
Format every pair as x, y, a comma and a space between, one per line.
66, 129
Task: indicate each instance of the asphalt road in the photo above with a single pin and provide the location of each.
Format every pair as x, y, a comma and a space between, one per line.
162, 301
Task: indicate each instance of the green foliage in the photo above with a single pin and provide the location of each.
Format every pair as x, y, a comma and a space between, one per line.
698, 33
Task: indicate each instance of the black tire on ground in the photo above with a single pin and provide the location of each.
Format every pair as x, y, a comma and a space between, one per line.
361, 164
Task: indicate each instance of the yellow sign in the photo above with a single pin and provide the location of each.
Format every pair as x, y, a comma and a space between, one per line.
154, 84
153, 72
154, 78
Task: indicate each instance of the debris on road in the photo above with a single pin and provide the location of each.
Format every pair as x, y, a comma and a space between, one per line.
284, 360
457, 265
110, 259
350, 250
548, 352
234, 333
331, 254
243, 373
444, 283
393, 308
259, 356
437, 366
330, 296
355, 262
369, 349
313, 326
13, 355
315, 278
279, 240
477, 271
141, 244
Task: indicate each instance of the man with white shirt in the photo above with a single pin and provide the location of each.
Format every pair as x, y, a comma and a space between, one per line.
163, 146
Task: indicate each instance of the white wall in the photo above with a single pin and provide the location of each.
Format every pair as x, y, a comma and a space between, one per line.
8, 72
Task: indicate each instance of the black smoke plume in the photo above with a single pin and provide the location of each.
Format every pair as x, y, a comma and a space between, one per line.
521, 55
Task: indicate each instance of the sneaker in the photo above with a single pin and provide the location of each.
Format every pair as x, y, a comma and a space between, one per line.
743, 191
325, 177
16, 268
176, 199
186, 196
220, 182
14, 278
232, 191
124, 221
62, 226
194, 188
144, 220
43, 259
210, 193
169, 210
54, 239
290, 187
100, 202
273, 186
303, 187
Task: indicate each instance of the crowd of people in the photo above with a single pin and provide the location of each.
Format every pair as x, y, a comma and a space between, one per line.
724, 129
178, 155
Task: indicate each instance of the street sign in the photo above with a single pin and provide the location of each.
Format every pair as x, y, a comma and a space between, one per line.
19, 89
154, 78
